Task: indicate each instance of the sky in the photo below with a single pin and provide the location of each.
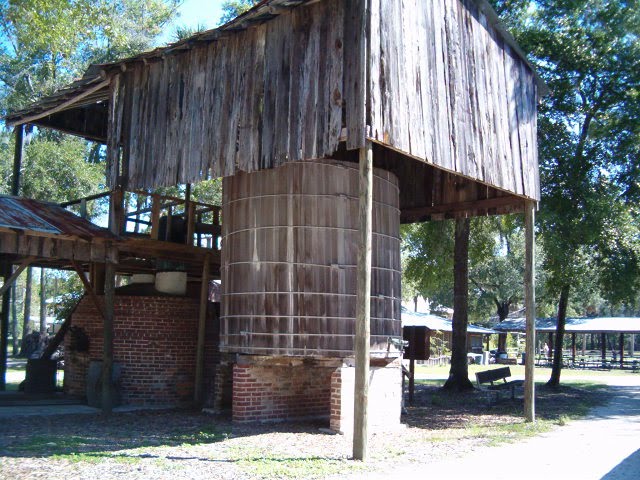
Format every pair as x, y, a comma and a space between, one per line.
193, 13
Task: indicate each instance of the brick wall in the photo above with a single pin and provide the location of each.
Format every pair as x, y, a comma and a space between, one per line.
155, 344
275, 392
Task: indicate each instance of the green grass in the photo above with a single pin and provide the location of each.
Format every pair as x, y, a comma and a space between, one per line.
268, 464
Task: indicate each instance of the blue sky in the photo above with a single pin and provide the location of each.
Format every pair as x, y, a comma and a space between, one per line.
193, 13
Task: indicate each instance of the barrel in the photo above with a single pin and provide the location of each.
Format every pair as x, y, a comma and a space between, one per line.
289, 258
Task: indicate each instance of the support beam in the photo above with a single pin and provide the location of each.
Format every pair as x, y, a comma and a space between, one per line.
89, 289
4, 325
530, 305
14, 276
363, 306
621, 350
107, 338
202, 319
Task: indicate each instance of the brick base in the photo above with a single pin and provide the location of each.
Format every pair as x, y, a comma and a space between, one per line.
385, 398
275, 389
154, 342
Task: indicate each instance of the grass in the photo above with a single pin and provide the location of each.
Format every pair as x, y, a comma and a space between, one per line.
438, 421
268, 464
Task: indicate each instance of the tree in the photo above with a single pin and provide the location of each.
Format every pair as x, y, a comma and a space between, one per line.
459, 373
44, 45
232, 8
586, 51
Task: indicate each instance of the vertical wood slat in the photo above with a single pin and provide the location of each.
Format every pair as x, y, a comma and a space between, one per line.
355, 79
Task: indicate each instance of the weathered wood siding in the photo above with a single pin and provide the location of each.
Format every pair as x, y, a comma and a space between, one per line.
445, 87
436, 81
252, 99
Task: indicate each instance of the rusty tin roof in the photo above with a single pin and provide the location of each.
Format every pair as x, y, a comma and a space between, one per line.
28, 215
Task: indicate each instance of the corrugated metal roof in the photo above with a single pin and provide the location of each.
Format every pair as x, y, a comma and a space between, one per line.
433, 322
575, 325
28, 215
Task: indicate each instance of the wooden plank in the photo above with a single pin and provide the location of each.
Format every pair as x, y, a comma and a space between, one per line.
355, 72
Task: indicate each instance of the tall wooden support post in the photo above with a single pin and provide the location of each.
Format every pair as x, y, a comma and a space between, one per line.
621, 350
573, 348
603, 346
4, 324
363, 307
530, 305
5, 266
17, 160
202, 318
107, 338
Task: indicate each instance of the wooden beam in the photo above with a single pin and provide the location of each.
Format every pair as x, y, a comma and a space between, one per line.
62, 106
530, 306
363, 306
202, 319
14, 276
89, 289
4, 324
517, 203
107, 338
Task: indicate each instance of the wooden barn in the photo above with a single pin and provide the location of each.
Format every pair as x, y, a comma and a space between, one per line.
332, 122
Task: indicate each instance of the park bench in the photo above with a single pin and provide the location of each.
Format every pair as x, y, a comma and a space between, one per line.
497, 380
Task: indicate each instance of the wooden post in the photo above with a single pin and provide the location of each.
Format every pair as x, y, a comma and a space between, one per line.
412, 383
202, 318
107, 338
621, 350
4, 324
584, 344
17, 159
632, 345
530, 306
190, 218
603, 346
363, 306
573, 348
155, 217
116, 211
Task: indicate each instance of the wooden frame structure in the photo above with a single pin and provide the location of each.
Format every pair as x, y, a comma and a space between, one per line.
436, 92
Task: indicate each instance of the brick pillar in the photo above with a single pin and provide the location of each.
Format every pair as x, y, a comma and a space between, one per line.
385, 398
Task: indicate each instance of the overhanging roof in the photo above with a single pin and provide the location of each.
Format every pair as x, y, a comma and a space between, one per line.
42, 218
93, 87
434, 322
575, 325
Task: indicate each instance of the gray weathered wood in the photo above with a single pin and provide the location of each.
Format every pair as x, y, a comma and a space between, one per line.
202, 318
530, 306
363, 307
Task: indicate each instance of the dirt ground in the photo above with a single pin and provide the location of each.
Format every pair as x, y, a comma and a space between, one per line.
184, 444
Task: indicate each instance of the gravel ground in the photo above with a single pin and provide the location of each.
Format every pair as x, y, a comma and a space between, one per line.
193, 445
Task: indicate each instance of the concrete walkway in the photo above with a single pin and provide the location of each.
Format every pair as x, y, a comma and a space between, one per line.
605, 445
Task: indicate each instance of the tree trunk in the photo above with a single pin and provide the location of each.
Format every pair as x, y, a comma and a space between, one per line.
459, 373
554, 381
503, 313
26, 321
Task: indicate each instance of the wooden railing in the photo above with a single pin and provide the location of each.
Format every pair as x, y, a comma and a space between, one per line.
154, 216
